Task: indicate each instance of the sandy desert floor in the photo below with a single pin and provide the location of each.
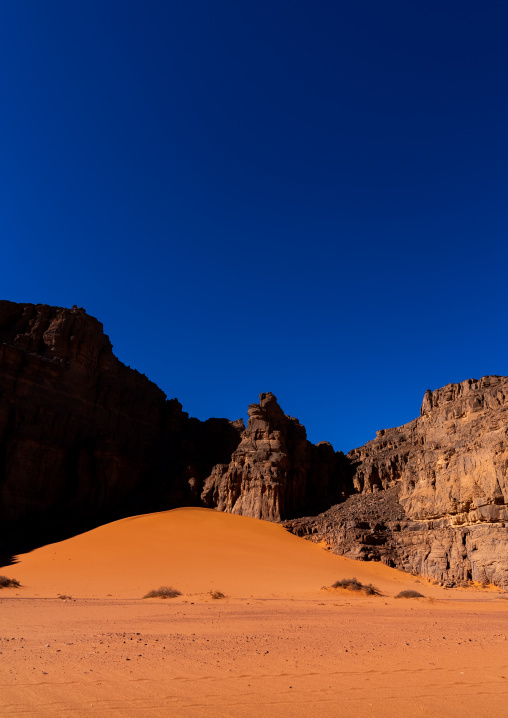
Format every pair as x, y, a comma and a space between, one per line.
277, 645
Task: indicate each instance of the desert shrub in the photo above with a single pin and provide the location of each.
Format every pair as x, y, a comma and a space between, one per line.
163, 592
64, 597
352, 584
217, 594
409, 594
8, 582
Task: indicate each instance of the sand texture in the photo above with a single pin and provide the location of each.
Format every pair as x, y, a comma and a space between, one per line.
277, 645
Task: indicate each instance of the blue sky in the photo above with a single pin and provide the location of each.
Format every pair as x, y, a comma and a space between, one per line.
296, 197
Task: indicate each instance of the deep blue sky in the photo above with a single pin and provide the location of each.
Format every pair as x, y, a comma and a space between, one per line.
308, 198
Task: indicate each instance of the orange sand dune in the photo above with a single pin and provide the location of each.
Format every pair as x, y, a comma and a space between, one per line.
194, 550
277, 647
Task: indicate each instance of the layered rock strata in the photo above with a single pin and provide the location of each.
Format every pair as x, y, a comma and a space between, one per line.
452, 461
432, 494
84, 439
275, 472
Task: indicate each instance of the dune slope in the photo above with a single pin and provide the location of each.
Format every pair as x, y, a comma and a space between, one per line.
277, 646
194, 550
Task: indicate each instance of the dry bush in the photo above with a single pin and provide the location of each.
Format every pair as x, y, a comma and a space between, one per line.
217, 594
409, 594
163, 592
8, 582
352, 584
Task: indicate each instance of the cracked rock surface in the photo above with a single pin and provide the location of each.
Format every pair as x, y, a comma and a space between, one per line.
432, 494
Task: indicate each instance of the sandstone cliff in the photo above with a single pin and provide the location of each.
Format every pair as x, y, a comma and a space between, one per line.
275, 472
452, 461
438, 490
84, 437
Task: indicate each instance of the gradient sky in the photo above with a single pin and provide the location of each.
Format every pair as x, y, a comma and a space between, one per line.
308, 198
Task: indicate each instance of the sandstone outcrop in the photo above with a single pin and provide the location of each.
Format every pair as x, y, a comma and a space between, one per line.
432, 494
452, 461
275, 472
82, 436
85, 439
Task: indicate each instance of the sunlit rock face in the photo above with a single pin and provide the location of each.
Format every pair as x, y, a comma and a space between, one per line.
452, 461
84, 439
438, 489
275, 472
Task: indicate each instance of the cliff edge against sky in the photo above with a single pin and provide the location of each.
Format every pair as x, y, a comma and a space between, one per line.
84, 439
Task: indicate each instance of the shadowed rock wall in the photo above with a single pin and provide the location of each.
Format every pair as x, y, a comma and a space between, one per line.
82, 436
85, 439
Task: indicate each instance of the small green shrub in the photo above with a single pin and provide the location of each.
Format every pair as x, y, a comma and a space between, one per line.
352, 584
163, 592
217, 594
409, 594
8, 582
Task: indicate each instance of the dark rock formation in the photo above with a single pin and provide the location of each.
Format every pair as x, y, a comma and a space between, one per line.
82, 436
275, 472
433, 493
85, 439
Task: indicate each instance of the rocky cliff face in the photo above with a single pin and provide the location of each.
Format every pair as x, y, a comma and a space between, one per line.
433, 493
81, 435
452, 461
275, 472
84, 439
